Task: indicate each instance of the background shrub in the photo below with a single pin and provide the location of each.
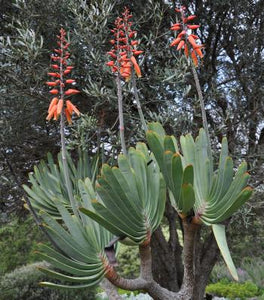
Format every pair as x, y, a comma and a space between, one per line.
22, 284
128, 261
18, 240
233, 290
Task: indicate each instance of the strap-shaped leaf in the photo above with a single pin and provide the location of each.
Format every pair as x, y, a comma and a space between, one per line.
69, 269
75, 263
102, 221
187, 197
156, 145
69, 287
92, 279
170, 144
220, 236
157, 127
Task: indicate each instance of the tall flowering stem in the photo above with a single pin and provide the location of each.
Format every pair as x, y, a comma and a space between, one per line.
187, 41
121, 114
60, 106
123, 55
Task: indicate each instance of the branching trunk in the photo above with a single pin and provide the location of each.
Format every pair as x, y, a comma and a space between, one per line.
167, 264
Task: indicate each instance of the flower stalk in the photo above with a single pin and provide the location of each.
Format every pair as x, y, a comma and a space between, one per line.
121, 114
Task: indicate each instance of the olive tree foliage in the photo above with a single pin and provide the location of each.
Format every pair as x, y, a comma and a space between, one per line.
231, 77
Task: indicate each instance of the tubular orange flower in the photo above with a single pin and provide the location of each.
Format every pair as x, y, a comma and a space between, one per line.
53, 102
137, 52
67, 71
71, 108
124, 47
68, 116
190, 18
54, 92
51, 83
194, 58
175, 42
136, 66
110, 63
185, 39
186, 51
193, 26
181, 44
51, 112
60, 56
53, 74
71, 92
59, 107
192, 41
70, 80
199, 52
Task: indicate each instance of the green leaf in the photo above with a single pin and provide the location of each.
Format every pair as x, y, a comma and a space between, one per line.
220, 236
157, 127
187, 198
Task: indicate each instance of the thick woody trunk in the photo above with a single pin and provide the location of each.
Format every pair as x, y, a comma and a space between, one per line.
199, 258
167, 264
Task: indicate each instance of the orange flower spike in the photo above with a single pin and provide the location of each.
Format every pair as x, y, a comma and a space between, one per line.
56, 106
59, 107
185, 39
124, 47
136, 66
